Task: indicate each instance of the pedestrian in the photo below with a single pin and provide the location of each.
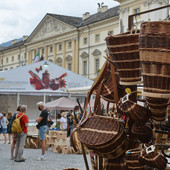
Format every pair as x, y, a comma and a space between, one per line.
4, 123
69, 122
14, 135
9, 117
63, 121
42, 128
1, 128
21, 137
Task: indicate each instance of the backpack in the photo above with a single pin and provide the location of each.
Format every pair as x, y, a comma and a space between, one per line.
16, 126
10, 123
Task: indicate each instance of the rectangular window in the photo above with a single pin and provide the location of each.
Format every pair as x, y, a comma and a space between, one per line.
97, 65
6, 60
137, 10
51, 49
25, 56
97, 38
69, 44
85, 67
42, 51
12, 58
85, 40
69, 66
60, 47
18, 57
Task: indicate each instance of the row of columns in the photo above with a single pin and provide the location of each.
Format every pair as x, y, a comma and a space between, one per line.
32, 53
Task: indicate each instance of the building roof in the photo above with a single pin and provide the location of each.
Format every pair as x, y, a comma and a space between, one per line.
112, 12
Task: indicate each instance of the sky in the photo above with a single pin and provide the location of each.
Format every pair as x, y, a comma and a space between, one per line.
20, 17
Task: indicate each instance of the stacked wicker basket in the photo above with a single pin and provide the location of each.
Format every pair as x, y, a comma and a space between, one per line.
154, 46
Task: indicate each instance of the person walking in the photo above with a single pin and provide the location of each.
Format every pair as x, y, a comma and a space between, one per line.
42, 128
21, 137
9, 117
4, 123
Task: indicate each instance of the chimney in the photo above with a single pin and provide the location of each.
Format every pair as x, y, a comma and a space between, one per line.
86, 15
104, 8
24, 37
98, 9
14, 41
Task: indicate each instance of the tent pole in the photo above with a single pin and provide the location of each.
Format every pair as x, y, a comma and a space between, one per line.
44, 98
18, 99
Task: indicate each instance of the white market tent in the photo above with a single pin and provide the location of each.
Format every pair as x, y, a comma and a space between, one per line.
61, 103
42, 78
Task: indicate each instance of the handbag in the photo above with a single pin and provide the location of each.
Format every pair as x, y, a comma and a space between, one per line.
104, 135
133, 110
153, 159
37, 126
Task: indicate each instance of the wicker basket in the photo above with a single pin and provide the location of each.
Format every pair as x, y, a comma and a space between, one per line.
132, 159
103, 135
155, 27
115, 164
152, 158
124, 50
133, 110
154, 47
158, 107
142, 132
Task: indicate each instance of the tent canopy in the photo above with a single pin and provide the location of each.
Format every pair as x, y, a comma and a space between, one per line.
42, 76
62, 103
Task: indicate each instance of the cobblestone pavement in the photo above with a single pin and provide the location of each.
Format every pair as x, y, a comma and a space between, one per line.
54, 161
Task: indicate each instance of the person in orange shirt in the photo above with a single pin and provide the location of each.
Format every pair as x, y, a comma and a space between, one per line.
21, 137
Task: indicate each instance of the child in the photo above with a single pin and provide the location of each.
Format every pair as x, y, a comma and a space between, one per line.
4, 123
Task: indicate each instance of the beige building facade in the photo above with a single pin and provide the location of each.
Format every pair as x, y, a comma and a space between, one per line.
78, 43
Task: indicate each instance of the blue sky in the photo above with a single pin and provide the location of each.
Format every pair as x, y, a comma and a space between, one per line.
20, 18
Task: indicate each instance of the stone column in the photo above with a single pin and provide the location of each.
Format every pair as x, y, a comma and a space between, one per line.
64, 54
46, 52
54, 53
75, 60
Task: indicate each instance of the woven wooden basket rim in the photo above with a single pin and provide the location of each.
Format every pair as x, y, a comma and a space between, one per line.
123, 45
124, 52
155, 49
156, 75
124, 35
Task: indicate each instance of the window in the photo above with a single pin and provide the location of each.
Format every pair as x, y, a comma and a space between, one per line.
12, 58
6, 60
97, 65
51, 49
60, 47
69, 66
85, 68
18, 57
97, 38
25, 56
137, 10
69, 44
85, 40
42, 51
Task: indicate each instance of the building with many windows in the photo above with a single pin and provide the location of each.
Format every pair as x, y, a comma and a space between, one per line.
78, 43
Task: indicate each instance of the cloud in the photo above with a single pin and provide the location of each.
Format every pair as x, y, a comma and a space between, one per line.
20, 18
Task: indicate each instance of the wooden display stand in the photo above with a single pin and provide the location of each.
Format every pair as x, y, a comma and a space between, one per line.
59, 141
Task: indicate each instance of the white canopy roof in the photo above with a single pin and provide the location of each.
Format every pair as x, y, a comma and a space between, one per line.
42, 76
62, 103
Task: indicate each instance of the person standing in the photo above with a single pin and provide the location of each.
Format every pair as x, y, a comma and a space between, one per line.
14, 135
42, 128
4, 123
9, 117
21, 137
63, 121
